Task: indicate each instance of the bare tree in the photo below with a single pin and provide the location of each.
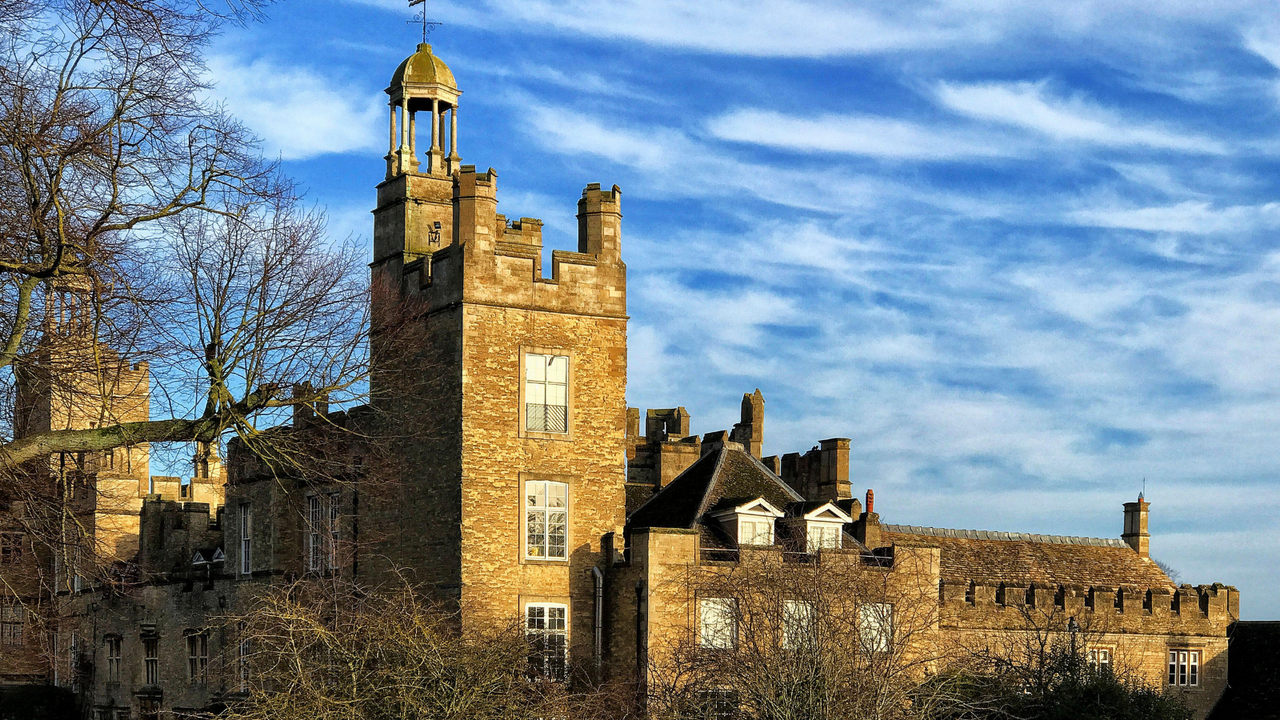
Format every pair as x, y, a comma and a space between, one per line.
841, 635
1053, 665
139, 225
320, 650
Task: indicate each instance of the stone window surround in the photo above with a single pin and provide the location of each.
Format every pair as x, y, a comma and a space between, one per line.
726, 610
558, 602
571, 482
244, 548
1101, 654
1190, 647
113, 647
525, 350
876, 626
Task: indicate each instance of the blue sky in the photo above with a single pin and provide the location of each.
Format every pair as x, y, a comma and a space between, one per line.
1024, 256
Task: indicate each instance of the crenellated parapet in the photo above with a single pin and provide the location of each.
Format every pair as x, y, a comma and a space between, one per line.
477, 255
1164, 609
172, 532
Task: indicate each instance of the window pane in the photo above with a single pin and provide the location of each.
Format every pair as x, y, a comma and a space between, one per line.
557, 419
536, 491
537, 615
535, 367
876, 626
556, 395
535, 417
797, 623
718, 622
536, 541
535, 393
557, 535
558, 369
557, 494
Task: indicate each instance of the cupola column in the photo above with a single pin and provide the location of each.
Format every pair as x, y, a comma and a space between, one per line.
404, 123
453, 132
413, 135
435, 113
391, 146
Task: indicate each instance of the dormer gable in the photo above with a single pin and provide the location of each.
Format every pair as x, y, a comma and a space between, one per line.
750, 522
823, 526
828, 512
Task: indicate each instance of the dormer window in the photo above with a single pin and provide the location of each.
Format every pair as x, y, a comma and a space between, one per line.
750, 523
821, 535
824, 527
755, 531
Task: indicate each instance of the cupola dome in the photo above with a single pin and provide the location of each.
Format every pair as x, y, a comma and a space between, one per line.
423, 67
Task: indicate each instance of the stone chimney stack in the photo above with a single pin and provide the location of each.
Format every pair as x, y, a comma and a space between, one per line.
1135, 526
750, 430
866, 528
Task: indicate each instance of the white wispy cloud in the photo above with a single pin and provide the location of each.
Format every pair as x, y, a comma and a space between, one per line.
298, 112
825, 28
1192, 216
882, 137
1029, 106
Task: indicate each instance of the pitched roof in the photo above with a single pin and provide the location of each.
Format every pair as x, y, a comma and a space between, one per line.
719, 478
1020, 559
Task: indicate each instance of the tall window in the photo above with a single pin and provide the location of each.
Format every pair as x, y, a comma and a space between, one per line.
799, 620
718, 623
73, 661
547, 629
546, 393
315, 536
546, 519
13, 618
718, 704
151, 661
755, 531
242, 658
198, 657
113, 657
334, 507
1100, 657
821, 535
875, 626
1184, 668
246, 538
10, 547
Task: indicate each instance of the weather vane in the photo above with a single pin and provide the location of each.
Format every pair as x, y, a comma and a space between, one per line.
421, 17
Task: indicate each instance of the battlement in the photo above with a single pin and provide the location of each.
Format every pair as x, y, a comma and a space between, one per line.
170, 532
822, 473
468, 252
1109, 608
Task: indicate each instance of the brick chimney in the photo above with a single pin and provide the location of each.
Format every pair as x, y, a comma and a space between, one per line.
1135, 526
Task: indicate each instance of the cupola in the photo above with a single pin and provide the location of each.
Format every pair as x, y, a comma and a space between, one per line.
423, 84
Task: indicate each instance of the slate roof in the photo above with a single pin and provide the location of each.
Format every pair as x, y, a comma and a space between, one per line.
1019, 558
721, 478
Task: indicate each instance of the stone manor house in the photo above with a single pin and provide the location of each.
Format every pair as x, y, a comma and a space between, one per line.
537, 494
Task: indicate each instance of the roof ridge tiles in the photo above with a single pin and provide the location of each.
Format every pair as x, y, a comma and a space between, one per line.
1005, 536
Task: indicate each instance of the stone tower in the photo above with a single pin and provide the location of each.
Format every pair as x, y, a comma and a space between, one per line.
503, 385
